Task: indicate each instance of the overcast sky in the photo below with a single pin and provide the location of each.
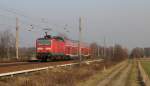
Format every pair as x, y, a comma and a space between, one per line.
126, 22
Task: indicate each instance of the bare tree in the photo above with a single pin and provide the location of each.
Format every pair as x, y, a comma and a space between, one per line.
147, 51
114, 53
94, 49
137, 53
7, 44
120, 53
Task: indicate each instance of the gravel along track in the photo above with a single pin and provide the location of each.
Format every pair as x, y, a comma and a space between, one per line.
114, 76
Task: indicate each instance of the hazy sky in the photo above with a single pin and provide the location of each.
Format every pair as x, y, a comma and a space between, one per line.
126, 22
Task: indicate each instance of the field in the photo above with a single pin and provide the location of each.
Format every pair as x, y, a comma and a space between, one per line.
146, 66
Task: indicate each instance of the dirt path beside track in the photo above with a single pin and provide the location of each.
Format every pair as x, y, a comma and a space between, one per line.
106, 81
121, 79
125, 75
122, 74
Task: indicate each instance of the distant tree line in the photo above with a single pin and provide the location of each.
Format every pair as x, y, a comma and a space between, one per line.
140, 52
7, 44
7, 47
113, 53
147, 52
117, 52
27, 53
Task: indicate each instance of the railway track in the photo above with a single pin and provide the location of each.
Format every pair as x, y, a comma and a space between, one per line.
34, 62
11, 67
27, 63
17, 68
13, 64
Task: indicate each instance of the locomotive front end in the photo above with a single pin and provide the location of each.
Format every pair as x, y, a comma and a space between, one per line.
43, 49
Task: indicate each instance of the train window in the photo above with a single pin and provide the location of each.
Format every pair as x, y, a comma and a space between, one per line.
44, 42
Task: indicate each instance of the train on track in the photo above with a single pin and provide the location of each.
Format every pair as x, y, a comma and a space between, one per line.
59, 48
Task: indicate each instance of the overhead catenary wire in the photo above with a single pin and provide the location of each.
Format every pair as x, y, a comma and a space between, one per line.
22, 17
29, 21
26, 20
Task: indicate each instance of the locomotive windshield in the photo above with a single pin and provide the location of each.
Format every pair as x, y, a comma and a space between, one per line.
44, 42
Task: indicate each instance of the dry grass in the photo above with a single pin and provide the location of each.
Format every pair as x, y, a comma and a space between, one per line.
68, 76
100, 75
133, 75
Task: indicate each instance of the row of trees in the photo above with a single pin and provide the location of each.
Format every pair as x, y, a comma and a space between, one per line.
114, 53
7, 44
7, 47
140, 52
117, 52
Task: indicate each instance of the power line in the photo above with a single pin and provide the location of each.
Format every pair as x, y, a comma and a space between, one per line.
28, 20
16, 13
21, 15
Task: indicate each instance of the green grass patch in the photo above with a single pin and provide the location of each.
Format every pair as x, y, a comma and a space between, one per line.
146, 66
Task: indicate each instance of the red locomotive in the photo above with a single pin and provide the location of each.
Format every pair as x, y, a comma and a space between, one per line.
56, 47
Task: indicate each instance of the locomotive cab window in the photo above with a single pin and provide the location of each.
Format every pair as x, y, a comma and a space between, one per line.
44, 42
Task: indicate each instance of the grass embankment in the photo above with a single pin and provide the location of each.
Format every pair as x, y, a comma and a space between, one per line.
146, 66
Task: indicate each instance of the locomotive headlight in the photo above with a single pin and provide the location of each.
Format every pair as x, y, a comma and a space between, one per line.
48, 48
39, 48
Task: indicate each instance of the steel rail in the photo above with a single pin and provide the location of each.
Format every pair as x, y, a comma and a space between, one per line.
44, 68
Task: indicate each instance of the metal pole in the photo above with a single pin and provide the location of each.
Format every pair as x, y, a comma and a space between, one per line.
113, 51
17, 38
98, 51
104, 54
80, 39
104, 47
